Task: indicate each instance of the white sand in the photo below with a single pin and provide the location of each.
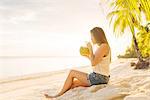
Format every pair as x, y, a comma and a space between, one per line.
125, 84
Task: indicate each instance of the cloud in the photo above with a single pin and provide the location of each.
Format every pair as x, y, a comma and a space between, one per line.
47, 15
17, 10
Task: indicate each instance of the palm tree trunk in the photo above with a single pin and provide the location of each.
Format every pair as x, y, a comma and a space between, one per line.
141, 64
137, 48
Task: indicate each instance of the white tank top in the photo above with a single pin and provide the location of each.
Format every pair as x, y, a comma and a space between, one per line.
103, 66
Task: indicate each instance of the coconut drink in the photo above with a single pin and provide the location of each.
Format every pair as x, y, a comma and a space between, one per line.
84, 51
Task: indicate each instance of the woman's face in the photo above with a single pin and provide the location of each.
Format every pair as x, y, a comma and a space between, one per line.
93, 39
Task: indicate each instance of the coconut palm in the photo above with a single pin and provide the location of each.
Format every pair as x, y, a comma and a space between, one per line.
127, 14
143, 37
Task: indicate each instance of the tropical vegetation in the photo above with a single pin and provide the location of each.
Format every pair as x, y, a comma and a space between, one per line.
130, 15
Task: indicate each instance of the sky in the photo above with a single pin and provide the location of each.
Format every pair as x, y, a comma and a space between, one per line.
53, 27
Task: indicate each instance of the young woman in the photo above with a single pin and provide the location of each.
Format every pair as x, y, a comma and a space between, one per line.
100, 60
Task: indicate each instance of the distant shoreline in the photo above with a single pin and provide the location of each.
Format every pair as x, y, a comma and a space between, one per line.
35, 75
35, 56
44, 74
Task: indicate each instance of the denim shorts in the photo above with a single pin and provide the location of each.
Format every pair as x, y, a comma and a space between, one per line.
95, 78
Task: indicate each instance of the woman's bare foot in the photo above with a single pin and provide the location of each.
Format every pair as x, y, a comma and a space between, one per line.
47, 96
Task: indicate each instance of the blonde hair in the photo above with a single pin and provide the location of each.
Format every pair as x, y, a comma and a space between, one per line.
99, 35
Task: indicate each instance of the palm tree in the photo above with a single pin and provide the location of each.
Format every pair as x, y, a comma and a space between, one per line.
127, 14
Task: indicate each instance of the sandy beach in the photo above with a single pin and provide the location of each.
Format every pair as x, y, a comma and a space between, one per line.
125, 84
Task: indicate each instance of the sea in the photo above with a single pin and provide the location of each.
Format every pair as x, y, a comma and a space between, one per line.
19, 66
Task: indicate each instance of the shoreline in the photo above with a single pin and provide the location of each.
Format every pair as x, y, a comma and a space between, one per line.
45, 74
36, 75
125, 84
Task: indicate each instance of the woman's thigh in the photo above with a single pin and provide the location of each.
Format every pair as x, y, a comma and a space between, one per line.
80, 76
77, 83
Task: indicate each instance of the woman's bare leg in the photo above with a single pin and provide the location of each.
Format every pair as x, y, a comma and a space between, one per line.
81, 76
77, 83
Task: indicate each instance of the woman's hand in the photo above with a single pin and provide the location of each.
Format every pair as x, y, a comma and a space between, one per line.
91, 55
86, 56
89, 46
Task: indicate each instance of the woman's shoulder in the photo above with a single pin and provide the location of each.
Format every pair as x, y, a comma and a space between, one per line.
105, 47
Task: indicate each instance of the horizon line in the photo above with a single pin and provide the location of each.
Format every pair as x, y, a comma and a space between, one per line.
34, 56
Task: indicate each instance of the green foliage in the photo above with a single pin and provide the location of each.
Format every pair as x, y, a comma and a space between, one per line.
143, 39
121, 21
144, 5
128, 14
130, 53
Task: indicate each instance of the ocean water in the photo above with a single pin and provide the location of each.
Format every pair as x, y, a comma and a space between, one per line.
43, 28
18, 66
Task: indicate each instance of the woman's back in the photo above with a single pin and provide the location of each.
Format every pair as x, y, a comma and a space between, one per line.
103, 66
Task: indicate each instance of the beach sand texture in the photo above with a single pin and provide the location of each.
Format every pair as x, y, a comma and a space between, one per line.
125, 84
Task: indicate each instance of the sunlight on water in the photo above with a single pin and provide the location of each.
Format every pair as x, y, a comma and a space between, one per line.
28, 65
32, 32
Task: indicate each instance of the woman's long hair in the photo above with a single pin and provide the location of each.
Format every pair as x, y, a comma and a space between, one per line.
99, 36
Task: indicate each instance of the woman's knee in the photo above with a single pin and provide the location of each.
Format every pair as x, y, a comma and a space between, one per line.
73, 86
75, 83
72, 71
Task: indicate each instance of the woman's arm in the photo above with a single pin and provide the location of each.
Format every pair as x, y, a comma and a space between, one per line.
99, 54
91, 55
